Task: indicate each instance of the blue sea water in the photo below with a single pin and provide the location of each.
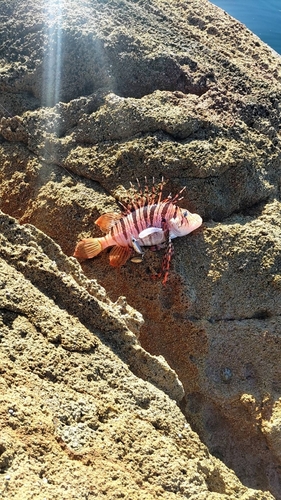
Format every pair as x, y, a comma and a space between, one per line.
262, 17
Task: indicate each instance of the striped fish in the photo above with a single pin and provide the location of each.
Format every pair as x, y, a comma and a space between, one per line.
146, 222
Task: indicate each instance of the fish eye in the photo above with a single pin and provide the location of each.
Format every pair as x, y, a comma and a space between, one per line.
185, 213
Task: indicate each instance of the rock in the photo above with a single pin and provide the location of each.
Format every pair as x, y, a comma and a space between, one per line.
92, 97
72, 412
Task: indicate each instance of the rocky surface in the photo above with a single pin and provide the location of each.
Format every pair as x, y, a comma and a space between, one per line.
94, 95
76, 422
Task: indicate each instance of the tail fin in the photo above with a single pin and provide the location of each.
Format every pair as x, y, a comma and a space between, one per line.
87, 248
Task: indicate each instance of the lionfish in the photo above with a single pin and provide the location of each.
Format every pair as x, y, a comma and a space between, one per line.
146, 221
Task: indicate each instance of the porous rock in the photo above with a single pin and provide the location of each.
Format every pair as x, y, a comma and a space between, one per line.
75, 420
94, 95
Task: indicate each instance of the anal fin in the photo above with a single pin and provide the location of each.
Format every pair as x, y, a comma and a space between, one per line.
119, 255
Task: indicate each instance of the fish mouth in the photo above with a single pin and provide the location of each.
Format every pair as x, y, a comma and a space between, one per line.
194, 221
197, 220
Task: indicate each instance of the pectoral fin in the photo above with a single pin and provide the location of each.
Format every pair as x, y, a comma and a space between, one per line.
119, 255
150, 230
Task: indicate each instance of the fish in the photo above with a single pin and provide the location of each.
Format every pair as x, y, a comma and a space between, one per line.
146, 221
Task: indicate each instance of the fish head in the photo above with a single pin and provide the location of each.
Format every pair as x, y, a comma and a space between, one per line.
184, 223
